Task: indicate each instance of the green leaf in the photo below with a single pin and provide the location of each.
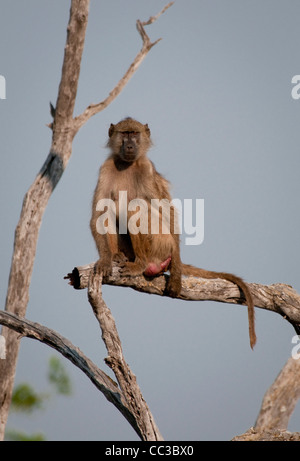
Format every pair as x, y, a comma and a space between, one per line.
26, 399
58, 377
17, 436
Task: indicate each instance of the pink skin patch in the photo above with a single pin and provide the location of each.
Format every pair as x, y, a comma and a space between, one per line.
154, 269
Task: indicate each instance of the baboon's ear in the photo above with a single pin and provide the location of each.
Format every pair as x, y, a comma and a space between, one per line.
111, 130
147, 129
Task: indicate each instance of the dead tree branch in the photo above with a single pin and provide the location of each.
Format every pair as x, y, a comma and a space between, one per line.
64, 128
277, 407
280, 399
94, 109
115, 360
101, 380
37, 197
279, 298
154, 18
271, 435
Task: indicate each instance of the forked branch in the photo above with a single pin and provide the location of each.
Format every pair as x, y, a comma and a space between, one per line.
115, 360
51, 338
94, 109
64, 128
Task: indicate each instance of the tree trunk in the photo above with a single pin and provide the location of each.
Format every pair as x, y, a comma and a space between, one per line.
64, 128
37, 197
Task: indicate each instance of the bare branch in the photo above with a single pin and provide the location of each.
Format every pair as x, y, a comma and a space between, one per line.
64, 128
277, 406
51, 338
154, 18
280, 400
272, 435
115, 360
94, 109
279, 298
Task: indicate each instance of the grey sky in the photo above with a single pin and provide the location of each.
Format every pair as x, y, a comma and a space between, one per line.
216, 93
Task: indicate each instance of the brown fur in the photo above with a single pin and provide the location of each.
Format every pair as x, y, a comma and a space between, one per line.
129, 169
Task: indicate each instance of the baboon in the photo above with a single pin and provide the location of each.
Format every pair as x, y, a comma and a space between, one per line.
128, 169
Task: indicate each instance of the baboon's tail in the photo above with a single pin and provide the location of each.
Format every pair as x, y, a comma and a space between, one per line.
202, 273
